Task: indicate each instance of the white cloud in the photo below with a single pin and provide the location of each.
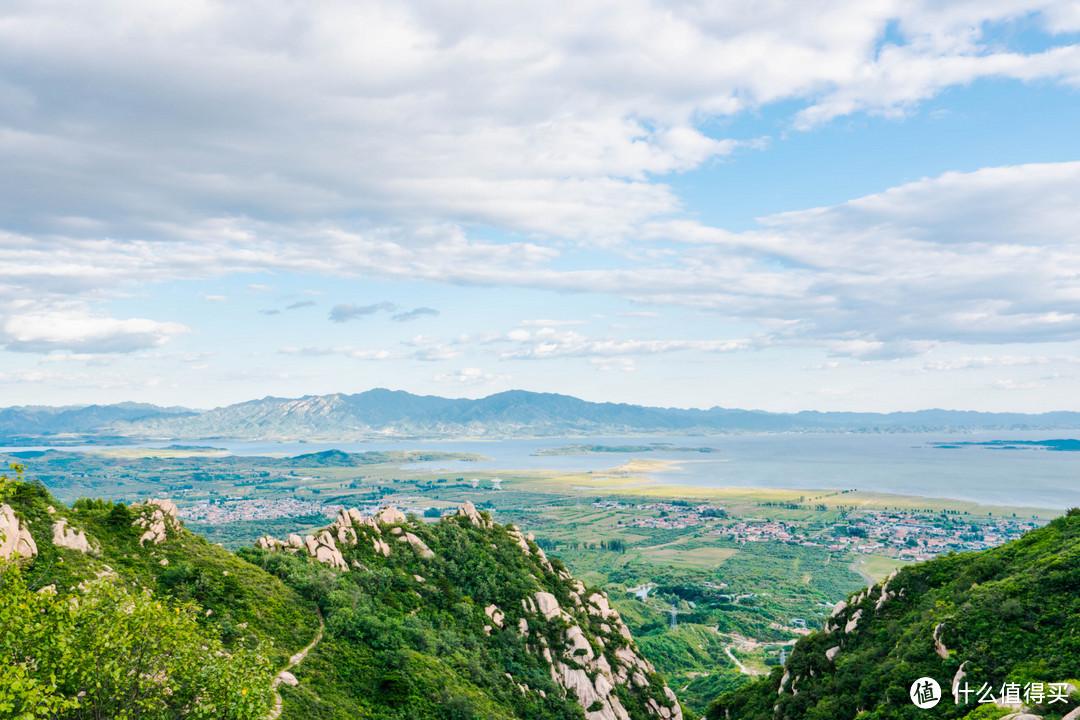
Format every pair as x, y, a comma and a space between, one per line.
553, 119
470, 376
158, 141
79, 332
345, 350
608, 364
980, 362
549, 323
551, 343
990, 256
1009, 384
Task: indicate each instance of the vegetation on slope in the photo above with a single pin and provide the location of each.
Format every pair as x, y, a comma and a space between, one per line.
128, 628
452, 632
1006, 615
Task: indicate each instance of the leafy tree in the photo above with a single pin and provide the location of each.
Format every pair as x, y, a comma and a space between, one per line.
7, 484
109, 652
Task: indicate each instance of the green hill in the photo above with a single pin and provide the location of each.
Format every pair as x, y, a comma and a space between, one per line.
117, 611
997, 623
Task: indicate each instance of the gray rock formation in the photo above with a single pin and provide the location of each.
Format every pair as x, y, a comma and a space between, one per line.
155, 519
70, 538
468, 511
580, 666
418, 545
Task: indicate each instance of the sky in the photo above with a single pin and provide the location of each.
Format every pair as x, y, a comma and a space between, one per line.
867, 205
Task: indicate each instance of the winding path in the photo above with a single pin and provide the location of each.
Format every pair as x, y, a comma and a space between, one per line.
293, 662
742, 668
854, 567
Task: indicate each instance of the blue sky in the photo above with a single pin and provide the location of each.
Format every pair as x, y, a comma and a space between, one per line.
838, 205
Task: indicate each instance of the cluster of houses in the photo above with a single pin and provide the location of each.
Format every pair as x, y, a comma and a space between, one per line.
905, 535
233, 509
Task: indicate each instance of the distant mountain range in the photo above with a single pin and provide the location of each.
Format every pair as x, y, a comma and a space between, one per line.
31, 421
394, 414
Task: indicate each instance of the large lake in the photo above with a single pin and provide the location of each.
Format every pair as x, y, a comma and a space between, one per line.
904, 463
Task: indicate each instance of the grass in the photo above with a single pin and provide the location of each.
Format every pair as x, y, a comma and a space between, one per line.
704, 558
876, 567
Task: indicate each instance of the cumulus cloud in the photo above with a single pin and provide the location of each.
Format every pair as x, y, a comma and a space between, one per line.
79, 332
989, 256
143, 140
300, 304
555, 119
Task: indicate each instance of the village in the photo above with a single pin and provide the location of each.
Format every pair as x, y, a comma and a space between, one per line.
905, 535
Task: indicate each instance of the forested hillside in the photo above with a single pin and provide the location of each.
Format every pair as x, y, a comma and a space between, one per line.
998, 630
117, 611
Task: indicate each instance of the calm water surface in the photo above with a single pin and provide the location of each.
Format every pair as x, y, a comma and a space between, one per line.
906, 464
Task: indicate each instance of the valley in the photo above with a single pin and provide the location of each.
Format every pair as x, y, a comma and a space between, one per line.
732, 577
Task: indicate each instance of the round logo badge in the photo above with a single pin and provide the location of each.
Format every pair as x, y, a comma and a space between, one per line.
925, 693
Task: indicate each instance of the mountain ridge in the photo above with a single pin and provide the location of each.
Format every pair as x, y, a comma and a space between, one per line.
458, 619
396, 414
1007, 616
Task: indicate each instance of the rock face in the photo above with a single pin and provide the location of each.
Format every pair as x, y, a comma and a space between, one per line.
939, 646
155, 519
468, 511
15, 538
64, 536
587, 647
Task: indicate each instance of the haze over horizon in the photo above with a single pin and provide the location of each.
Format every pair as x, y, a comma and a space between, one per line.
850, 206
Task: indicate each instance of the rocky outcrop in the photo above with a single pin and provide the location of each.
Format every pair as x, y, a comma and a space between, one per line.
496, 615
15, 538
64, 536
960, 675
418, 545
269, 543
582, 639
547, 604
469, 512
390, 516
155, 519
939, 646
324, 550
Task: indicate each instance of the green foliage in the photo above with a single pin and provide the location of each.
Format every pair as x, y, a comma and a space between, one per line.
405, 635
7, 484
111, 652
1010, 613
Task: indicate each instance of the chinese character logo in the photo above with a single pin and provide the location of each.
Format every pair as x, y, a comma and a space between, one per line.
925, 693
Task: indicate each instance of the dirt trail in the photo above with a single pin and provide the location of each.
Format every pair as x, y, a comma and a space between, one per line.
293, 662
742, 668
856, 569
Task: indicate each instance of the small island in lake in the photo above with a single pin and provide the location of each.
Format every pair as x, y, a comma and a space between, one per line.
1062, 445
